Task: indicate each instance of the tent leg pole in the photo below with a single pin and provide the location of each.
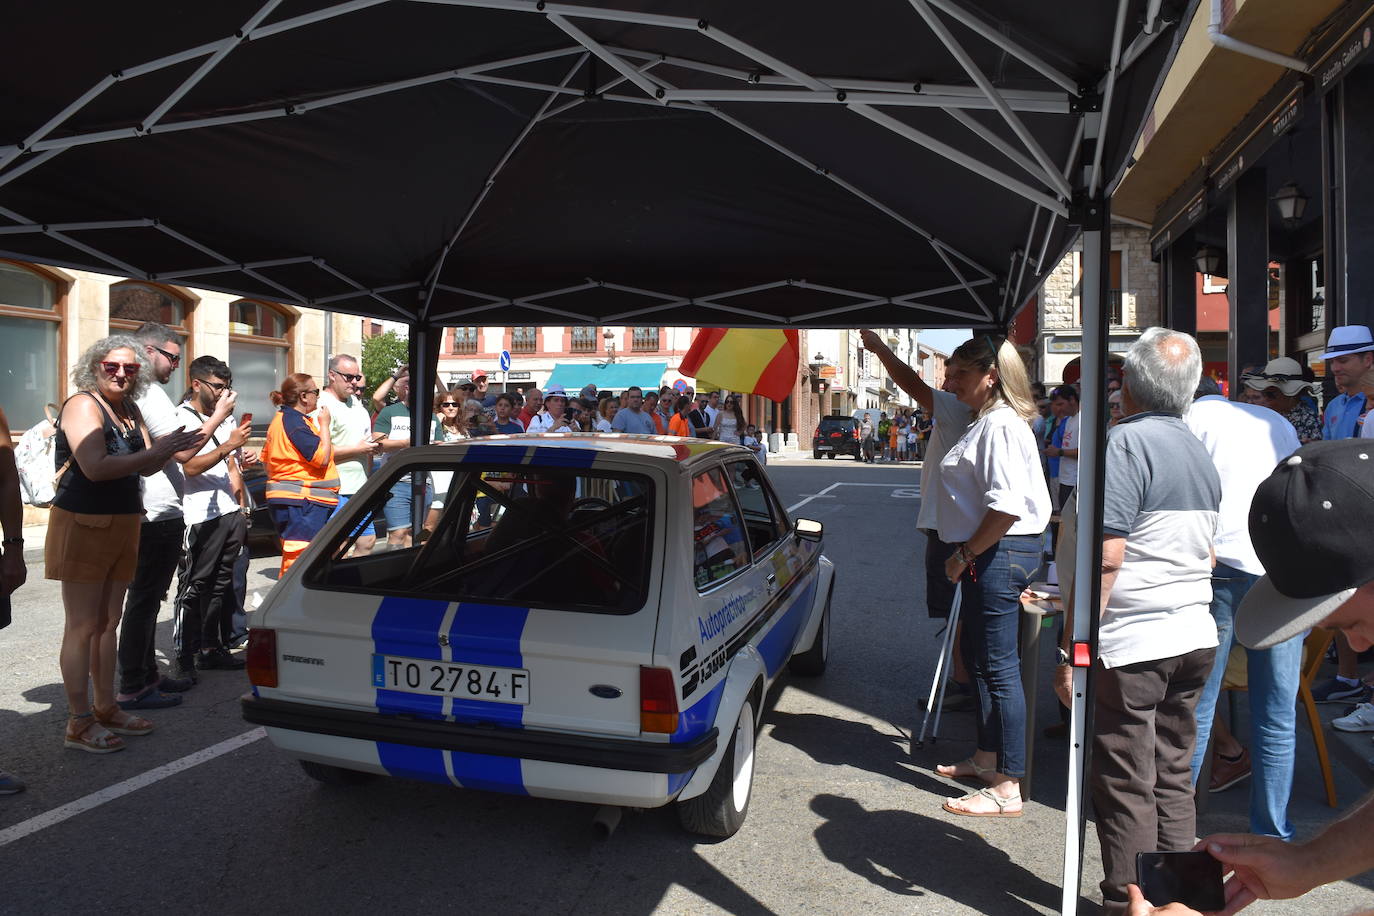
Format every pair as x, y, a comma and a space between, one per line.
424, 366
1087, 587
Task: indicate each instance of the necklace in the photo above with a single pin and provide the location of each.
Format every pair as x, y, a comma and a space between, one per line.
128, 428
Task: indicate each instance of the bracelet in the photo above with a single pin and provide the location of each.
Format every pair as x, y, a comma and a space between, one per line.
10, 541
966, 556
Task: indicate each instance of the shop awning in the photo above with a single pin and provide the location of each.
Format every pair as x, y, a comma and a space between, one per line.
1206, 94
611, 377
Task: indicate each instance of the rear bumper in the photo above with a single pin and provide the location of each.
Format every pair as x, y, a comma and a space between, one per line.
606, 753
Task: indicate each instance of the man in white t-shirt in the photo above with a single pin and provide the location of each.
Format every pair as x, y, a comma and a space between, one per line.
951, 418
350, 431
1246, 442
215, 507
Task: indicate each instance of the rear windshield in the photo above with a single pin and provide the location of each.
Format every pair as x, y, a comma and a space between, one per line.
846, 423
534, 537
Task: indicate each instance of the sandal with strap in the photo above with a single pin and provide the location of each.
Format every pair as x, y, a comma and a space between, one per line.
998, 800
121, 722
968, 764
83, 740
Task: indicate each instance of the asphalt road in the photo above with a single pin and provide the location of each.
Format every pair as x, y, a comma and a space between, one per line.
204, 816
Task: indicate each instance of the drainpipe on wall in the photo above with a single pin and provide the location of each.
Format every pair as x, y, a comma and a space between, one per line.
1222, 40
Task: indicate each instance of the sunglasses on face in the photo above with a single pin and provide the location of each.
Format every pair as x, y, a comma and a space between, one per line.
216, 387
112, 369
346, 376
173, 358
448, 404
305, 391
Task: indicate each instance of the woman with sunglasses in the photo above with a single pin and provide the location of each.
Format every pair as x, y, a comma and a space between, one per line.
100, 450
730, 421
993, 505
450, 425
302, 482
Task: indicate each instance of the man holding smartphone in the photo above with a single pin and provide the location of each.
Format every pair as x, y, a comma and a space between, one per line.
1309, 524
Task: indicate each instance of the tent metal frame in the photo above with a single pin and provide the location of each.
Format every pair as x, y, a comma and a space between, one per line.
768, 81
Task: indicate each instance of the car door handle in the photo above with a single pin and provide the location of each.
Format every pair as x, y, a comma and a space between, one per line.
772, 581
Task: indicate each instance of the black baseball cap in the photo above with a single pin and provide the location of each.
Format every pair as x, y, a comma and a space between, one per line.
1309, 523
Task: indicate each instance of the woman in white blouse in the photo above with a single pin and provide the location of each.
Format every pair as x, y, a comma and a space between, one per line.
994, 505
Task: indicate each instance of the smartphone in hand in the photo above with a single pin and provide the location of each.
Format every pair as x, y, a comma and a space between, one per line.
1193, 879
247, 418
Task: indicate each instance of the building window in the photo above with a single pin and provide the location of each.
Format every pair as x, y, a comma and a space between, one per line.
259, 355
465, 340
524, 340
31, 307
132, 303
583, 339
645, 340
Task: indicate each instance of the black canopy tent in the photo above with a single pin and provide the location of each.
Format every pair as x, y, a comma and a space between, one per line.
704, 162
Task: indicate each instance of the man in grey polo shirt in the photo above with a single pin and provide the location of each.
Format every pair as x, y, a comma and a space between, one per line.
1157, 637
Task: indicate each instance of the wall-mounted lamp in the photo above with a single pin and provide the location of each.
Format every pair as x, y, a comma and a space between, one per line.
1208, 259
1292, 203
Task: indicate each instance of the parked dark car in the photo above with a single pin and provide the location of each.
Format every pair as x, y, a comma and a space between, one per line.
262, 533
836, 435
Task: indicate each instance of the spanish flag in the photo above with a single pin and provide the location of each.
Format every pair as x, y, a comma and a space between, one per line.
746, 360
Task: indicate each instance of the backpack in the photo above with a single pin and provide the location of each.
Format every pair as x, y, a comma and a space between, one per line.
34, 456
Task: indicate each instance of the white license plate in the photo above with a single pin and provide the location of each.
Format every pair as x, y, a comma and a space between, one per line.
825, 448
451, 679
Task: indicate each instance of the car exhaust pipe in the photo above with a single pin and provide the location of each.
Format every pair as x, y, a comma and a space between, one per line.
605, 820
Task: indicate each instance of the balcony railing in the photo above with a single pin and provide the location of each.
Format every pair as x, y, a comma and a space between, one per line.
524, 340
465, 340
584, 343
645, 340
1114, 315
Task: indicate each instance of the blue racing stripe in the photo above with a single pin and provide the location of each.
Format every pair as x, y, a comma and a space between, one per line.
698, 719
488, 773
403, 760
409, 627
563, 457
776, 645
497, 454
677, 780
488, 634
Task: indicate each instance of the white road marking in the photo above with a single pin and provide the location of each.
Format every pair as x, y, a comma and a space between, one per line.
898, 492
120, 789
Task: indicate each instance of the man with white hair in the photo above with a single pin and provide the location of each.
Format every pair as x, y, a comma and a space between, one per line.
1156, 639
534, 402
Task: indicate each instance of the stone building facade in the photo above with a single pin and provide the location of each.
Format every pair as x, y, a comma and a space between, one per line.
1133, 301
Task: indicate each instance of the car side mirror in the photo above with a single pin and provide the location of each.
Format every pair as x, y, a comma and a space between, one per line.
808, 529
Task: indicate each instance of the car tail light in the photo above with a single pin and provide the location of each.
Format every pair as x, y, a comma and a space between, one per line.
262, 657
657, 701
817, 433
835, 435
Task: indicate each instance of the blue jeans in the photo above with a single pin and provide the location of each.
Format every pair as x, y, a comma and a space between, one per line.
991, 613
1273, 676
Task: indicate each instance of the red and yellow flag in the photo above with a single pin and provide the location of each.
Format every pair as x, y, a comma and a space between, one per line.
746, 360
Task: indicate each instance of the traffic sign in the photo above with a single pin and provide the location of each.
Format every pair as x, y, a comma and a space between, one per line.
505, 360
679, 385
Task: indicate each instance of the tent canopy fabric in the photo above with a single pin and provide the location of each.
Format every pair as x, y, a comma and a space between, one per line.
699, 162
608, 377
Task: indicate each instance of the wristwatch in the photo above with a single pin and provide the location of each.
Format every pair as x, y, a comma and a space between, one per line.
11, 542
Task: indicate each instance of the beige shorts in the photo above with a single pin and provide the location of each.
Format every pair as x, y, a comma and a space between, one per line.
85, 547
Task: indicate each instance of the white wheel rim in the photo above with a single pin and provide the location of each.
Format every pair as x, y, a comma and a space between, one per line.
744, 757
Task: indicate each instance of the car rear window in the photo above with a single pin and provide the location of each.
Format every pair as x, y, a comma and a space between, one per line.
828, 425
534, 537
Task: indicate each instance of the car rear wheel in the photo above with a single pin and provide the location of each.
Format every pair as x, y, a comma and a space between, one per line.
811, 663
816, 456
720, 810
334, 776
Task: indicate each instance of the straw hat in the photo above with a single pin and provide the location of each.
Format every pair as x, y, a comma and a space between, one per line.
1347, 339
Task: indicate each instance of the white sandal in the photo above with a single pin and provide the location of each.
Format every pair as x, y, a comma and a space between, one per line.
998, 800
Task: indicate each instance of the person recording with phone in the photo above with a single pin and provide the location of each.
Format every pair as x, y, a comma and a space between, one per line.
216, 526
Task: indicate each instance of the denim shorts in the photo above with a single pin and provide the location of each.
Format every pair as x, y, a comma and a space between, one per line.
398, 507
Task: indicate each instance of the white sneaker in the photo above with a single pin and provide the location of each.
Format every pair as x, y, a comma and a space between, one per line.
1361, 720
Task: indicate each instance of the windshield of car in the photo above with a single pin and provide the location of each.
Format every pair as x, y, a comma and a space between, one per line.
543, 537
829, 424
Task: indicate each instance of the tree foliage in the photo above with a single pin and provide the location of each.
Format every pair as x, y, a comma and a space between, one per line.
381, 355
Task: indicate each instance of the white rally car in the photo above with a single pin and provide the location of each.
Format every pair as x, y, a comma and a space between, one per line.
591, 618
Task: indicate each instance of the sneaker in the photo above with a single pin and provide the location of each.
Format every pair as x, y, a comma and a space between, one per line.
175, 684
219, 660
185, 670
240, 639
1361, 720
1227, 773
1335, 690
11, 785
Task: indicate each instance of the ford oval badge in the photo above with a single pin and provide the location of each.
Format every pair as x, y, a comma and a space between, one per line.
605, 691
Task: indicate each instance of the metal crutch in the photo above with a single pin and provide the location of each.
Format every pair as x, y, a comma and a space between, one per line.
936, 698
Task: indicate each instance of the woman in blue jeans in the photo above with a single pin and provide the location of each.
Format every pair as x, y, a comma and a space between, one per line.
993, 504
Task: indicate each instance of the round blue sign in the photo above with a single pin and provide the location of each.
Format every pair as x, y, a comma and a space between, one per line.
679, 385
505, 360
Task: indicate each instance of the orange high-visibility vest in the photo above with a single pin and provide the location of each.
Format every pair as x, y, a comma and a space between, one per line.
291, 476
